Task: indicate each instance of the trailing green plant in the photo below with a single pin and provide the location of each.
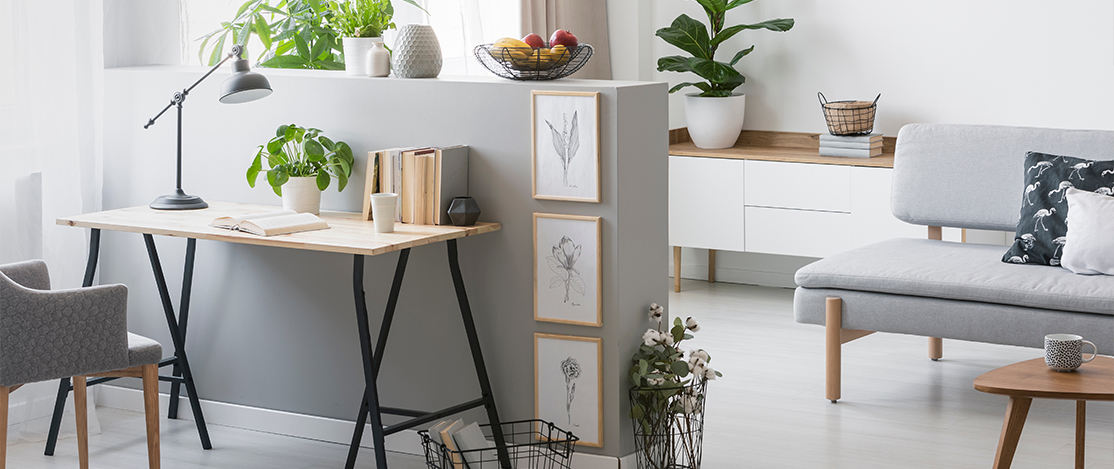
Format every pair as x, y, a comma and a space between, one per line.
294, 34
692, 36
363, 18
302, 152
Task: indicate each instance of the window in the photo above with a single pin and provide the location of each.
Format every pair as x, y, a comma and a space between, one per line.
460, 25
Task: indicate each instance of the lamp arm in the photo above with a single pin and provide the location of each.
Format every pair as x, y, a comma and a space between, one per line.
237, 51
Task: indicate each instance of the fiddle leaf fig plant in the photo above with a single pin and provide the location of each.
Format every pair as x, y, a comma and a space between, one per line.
693, 37
302, 152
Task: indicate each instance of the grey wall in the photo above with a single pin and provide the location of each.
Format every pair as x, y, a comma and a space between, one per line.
274, 328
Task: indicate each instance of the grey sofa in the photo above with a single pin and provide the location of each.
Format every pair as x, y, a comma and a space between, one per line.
962, 176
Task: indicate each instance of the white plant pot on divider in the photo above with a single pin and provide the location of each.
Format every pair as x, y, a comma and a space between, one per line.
301, 194
355, 54
714, 122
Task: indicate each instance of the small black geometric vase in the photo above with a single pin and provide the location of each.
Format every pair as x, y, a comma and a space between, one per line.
464, 211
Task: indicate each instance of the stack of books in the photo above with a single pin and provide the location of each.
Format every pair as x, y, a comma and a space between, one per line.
425, 179
859, 146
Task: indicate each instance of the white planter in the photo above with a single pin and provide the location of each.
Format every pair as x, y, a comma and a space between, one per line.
301, 194
378, 60
714, 122
417, 53
355, 54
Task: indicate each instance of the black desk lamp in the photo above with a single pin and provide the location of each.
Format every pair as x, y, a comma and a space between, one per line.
243, 86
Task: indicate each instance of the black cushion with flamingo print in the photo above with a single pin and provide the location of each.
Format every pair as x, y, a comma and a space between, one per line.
1042, 229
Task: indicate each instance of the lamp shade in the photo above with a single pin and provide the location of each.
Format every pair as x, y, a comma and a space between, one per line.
244, 85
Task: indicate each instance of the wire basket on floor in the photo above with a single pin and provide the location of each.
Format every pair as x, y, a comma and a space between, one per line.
849, 117
531, 444
528, 63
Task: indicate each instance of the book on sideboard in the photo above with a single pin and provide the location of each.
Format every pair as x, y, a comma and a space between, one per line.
851, 152
426, 180
871, 138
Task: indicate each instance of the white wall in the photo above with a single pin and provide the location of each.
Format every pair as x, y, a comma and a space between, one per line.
1010, 62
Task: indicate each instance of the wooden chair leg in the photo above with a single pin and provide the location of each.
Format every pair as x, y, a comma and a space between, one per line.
82, 416
1011, 431
677, 269
833, 326
151, 412
935, 348
711, 266
4, 390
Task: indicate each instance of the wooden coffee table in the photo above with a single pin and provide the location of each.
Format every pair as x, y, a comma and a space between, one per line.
1023, 381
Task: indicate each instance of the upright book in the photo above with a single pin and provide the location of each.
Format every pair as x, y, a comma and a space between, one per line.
450, 180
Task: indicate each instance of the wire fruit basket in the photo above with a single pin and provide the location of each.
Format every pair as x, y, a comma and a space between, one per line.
531, 444
849, 117
530, 63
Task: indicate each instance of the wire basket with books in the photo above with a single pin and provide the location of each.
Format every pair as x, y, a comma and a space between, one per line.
849, 117
531, 444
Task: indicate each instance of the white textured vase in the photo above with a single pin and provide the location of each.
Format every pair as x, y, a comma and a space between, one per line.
714, 122
417, 53
355, 53
301, 194
377, 60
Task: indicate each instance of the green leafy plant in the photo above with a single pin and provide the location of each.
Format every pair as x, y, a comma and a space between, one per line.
363, 18
692, 36
294, 33
302, 152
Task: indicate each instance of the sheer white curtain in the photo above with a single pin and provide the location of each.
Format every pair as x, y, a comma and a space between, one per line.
50, 154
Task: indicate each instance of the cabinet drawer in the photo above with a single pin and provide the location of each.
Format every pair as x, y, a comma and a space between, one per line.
798, 185
706, 203
797, 232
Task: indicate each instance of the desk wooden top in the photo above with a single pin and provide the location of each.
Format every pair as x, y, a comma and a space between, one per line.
348, 234
1032, 378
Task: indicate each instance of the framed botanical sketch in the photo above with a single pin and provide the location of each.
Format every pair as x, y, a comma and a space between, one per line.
568, 272
568, 384
566, 145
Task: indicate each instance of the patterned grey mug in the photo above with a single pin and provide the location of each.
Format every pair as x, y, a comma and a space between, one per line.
1064, 352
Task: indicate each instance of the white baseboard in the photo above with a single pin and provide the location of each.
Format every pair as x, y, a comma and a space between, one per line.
301, 425
743, 276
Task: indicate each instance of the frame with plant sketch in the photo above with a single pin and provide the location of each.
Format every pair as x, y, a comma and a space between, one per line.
565, 135
568, 269
568, 385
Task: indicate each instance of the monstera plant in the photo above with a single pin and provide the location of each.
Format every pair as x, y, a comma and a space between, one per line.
712, 124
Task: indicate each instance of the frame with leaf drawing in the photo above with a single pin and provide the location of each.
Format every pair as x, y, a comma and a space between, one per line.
565, 135
568, 385
568, 269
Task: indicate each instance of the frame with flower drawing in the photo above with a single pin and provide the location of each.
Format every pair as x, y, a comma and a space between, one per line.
565, 139
568, 385
568, 276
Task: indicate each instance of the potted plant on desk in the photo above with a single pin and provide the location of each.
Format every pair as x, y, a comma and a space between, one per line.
362, 23
715, 115
301, 163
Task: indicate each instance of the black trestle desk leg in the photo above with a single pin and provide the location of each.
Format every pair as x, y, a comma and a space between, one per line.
183, 318
372, 360
176, 337
477, 356
64, 384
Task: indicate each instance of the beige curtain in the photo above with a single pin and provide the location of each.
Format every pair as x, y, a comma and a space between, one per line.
587, 19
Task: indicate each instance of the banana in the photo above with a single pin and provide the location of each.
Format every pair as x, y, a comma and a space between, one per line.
560, 55
511, 50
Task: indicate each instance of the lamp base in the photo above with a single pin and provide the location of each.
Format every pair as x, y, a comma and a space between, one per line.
178, 201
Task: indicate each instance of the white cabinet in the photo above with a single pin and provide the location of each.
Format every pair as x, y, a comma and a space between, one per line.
706, 203
871, 219
797, 232
798, 185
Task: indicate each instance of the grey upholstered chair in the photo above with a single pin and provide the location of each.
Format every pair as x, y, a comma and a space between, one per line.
83, 332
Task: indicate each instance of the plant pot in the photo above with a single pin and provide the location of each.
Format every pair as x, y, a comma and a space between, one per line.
714, 122
669, 434
377, 60
355, 53
301, 194
417, 53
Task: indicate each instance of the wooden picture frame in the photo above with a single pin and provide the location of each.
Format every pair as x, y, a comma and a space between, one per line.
579, 241
553, 388
578, 113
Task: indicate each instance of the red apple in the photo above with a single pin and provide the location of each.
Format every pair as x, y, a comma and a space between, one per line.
564, 38
534, 40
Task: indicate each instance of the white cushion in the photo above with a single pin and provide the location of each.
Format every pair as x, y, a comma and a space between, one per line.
1089, 248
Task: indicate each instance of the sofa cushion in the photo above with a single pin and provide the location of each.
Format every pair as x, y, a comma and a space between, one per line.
969, 272
1089, 247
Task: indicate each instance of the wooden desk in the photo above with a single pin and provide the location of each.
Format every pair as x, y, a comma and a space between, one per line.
348, 234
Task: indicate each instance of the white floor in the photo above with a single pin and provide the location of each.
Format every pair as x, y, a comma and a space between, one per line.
899, 408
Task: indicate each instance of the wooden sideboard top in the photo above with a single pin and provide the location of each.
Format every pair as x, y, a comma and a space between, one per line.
790, 147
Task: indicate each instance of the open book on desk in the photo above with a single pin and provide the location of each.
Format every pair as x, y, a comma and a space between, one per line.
272, 223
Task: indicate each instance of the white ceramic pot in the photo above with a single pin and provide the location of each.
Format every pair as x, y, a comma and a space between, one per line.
377, 60
714, 122
417, 53
301, 194
355, 53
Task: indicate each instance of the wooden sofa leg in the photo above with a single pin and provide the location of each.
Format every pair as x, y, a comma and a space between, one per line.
935, 348
833, 340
